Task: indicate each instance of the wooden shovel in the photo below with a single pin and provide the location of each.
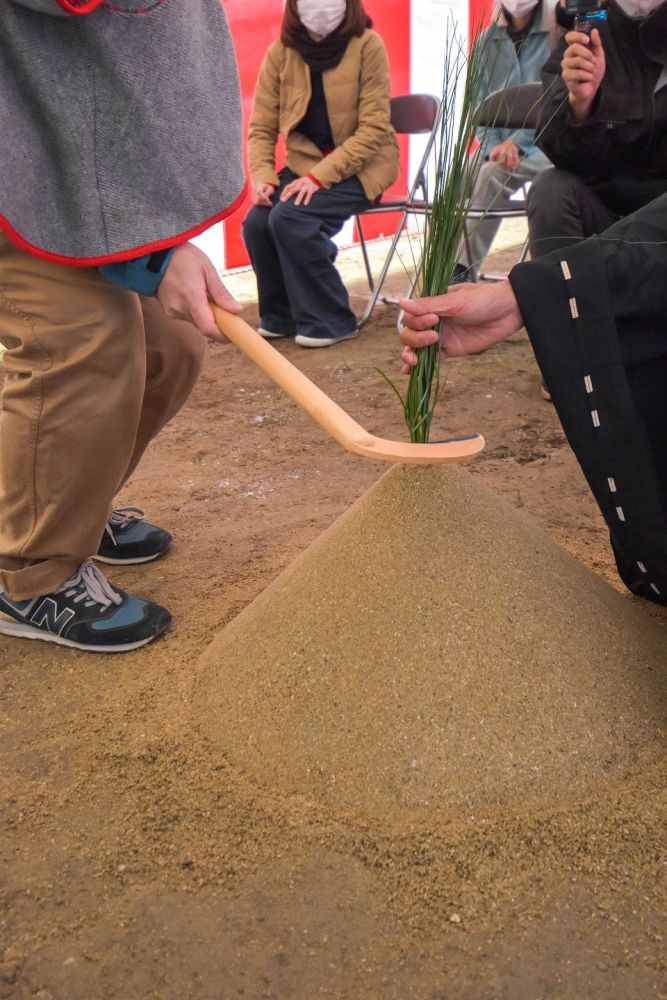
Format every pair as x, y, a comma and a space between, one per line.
328, 414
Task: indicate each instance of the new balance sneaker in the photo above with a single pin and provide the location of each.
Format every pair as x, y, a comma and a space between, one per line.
85, 613
324, 341
128, 539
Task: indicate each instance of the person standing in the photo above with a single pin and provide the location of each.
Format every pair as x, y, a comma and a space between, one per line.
324, 85
121, 134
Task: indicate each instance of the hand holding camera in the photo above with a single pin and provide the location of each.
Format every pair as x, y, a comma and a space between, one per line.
583, 63
583, 68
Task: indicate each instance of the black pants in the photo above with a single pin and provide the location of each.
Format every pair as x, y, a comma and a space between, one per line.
292, 255
562, 210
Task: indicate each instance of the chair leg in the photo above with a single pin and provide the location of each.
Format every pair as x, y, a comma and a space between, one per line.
497, 275
383, 273
367, 263
473, 267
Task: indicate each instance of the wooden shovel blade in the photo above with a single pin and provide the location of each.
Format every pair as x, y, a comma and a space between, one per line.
408, 453
329, 415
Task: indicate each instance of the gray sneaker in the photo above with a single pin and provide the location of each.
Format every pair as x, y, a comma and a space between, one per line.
85, 613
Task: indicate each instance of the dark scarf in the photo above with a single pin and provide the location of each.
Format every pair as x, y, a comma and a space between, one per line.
519, 35
321, 55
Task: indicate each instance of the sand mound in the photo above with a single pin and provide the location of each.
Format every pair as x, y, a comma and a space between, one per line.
435, 652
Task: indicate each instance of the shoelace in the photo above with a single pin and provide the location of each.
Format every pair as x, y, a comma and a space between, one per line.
120, 516
91, 587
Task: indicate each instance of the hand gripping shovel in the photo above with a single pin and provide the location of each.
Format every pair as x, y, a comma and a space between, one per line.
328, 414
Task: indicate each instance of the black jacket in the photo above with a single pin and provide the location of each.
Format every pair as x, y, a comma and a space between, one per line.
621, 151
596, 316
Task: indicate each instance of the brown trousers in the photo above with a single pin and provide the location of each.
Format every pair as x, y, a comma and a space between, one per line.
92, 373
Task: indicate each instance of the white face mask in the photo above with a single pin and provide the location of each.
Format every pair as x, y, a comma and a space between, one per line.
519, 8
321, 16
639, 8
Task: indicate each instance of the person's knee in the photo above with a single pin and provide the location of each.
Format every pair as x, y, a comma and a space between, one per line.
550, 190
175, 349
287, 223
255, 224
185, 354
491, 172
191, 353
539, 192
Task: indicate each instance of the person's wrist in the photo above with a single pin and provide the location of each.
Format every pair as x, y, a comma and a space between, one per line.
509, 304
580, 108
141, 274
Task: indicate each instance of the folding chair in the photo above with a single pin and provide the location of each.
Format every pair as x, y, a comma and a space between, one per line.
513, 107
411, 114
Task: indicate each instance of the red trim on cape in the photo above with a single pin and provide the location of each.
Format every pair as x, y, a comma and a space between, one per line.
82, 7
139, 251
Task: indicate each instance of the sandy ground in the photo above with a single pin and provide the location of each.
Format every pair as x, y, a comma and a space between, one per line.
139, 860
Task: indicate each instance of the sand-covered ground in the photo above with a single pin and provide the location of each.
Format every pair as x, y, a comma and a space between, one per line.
141, 858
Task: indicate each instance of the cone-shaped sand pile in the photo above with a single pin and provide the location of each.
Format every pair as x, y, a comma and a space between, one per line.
434, 651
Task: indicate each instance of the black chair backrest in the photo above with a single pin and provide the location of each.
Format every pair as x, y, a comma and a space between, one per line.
414, 114
514, 107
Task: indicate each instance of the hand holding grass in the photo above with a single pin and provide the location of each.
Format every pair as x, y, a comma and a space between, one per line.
471, 317
456, 170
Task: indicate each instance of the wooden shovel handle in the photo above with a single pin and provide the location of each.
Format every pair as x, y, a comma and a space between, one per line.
316, 403
329, 415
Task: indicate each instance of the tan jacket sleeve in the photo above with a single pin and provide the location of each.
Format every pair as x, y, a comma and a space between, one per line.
264, 122
374, 123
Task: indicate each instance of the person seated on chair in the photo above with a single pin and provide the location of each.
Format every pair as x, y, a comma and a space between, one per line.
595, 314
518, 45
603, 126
324, 84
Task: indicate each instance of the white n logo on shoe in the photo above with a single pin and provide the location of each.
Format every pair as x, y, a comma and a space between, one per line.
46, 613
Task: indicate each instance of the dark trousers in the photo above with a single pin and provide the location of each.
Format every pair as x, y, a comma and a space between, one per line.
293, 255
562, 210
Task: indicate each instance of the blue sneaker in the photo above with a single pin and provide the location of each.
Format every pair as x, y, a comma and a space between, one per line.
85, 613
128, 539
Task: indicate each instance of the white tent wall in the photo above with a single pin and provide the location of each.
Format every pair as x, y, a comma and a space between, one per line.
430, 21
212, 242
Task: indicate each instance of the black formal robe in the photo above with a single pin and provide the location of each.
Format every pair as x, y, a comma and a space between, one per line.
596, 314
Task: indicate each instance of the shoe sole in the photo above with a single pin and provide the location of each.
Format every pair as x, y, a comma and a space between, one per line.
19, 630
303, 341
129, 562
270, 335
546, 394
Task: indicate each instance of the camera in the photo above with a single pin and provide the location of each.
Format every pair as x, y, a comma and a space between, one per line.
585, 14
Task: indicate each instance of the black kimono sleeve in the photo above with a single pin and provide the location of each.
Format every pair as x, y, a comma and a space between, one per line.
596, 314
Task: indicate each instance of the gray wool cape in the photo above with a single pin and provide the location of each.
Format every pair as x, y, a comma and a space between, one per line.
120, 124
